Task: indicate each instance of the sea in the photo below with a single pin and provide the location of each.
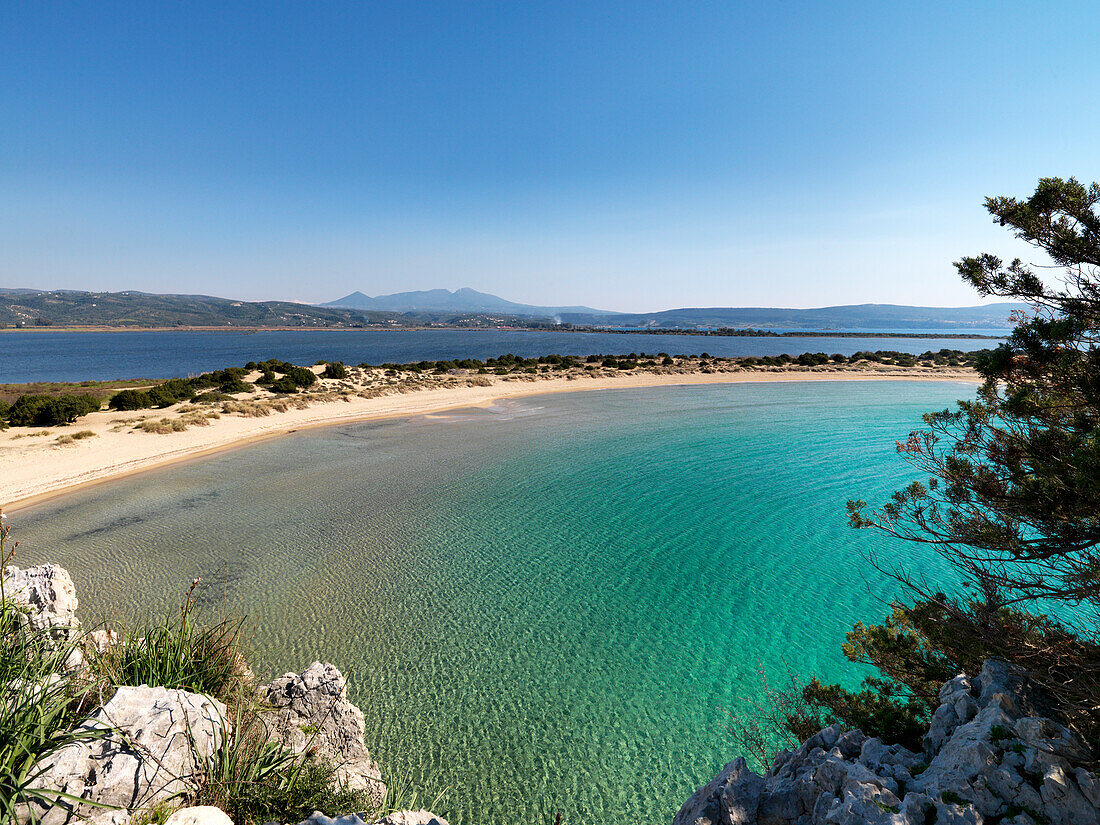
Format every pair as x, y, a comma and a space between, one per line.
103, 356
560, 604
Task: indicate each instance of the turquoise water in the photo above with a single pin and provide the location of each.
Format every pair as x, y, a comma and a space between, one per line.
552, 605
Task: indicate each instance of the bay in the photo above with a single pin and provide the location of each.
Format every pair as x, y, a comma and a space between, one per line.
557, 604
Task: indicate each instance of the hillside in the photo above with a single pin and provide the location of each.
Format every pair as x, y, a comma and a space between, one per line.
36, 308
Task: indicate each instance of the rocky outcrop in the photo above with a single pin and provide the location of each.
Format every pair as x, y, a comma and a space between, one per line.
987, 759
310, 710
158, 743
47, 594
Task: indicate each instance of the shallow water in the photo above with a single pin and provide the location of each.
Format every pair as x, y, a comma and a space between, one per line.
551, 605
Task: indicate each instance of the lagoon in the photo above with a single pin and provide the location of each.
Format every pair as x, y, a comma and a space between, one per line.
553, 604
105, 356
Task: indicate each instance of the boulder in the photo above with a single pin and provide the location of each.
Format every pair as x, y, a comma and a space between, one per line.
155, 745
47, 595
987, 758
310, 710
199, 815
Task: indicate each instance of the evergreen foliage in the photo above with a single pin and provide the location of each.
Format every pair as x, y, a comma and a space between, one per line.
1012, 497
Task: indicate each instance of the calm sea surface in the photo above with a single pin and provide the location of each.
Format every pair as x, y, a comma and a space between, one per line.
552, 605
80, 356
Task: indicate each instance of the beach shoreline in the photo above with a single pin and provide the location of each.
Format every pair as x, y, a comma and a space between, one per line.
35, 467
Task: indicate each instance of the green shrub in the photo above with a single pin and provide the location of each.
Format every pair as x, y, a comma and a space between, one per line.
232, 386
255, 781
46, 410
171, 392
301, 376
129, 400
335, 369
284, 384
212, 396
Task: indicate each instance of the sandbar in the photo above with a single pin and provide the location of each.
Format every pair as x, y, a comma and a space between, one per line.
38, 464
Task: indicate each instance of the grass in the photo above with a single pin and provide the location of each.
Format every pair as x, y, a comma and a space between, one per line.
70, 438
176, 652
254, 780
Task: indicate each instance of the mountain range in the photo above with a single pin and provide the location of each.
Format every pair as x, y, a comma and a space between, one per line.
462, 308
847, 317
461, 300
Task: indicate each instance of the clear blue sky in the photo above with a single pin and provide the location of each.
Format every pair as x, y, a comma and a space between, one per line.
623, 155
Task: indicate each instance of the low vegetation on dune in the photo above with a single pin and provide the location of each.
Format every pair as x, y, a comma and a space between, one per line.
265, 387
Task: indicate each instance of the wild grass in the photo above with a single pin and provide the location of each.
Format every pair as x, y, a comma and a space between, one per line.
177, 652
69, 438
254, 780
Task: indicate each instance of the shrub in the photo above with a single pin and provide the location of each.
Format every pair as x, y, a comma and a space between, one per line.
301, 376
127, 400
254, 780
171, 392
175, 652
44, 410
212, 396
231, 386
335, 369
285, 384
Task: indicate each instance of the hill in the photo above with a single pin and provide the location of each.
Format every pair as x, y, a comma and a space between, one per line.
461, 300
847, 317
38, 308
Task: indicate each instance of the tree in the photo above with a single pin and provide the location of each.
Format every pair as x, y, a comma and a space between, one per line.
1012, 496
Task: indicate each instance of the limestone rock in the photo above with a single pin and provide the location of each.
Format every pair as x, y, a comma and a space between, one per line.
199, 815
158, 741
311, 710
987, 758
48, 595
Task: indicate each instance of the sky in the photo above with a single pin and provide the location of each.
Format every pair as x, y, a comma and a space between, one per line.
630, 156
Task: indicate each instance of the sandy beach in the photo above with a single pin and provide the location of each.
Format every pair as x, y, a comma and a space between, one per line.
40, 463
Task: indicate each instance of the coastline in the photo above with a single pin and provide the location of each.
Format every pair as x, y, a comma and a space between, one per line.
34, 467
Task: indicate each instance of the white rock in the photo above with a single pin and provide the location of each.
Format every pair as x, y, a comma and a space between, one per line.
311, 710
987, 760
157, 745
48, 595
199, 815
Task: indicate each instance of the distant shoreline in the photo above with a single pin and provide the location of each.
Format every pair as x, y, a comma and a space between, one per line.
746, 333
34, 469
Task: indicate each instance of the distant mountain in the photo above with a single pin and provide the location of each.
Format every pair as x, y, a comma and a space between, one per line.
848, 317
461, 300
